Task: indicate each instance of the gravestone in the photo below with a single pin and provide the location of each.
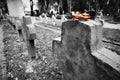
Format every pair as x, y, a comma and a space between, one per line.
12, 21
15, 8
29, 35
18, 24
73, 50
80, 54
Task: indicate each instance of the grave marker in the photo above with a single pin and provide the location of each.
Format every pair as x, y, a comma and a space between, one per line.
73, 50
30, 36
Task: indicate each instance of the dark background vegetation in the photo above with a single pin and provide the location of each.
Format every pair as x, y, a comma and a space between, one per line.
108, 6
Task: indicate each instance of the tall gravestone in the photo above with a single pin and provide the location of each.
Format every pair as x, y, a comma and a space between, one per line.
15, 8
29, 35
78, 40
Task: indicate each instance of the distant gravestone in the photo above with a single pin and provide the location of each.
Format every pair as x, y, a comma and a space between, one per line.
53, 20
41, 18
46, 18
64, 18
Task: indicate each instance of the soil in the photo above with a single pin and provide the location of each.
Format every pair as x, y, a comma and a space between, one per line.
18, 63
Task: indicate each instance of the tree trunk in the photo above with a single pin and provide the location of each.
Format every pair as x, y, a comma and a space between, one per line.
66, 6
31, 6
69, 6
43, 5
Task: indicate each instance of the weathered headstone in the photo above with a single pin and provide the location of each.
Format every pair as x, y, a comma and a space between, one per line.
73, 51
30, 35
80, 53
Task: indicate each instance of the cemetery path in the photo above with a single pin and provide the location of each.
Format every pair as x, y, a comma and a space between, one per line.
49, 28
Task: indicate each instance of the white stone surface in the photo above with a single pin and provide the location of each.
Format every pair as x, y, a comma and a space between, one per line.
15, 8
96, 34
109, 57
112, 26
26, 5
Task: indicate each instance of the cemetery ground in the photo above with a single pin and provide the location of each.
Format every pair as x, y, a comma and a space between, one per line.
19, 65
44, 67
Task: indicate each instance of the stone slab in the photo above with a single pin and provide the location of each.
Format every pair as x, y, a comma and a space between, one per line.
32, 32
27, 20
109, 57
96, 34
15, 8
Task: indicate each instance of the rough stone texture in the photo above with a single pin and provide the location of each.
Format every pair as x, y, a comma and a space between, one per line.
32, 32
74, 52
29, 35
29, 28
96, 34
